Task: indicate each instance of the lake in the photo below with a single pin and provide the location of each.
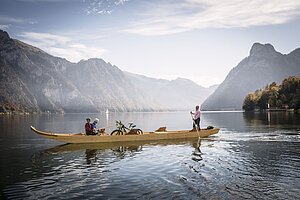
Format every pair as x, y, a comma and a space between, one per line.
254, 156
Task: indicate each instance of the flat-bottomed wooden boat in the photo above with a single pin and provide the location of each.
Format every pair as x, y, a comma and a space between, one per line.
146, 136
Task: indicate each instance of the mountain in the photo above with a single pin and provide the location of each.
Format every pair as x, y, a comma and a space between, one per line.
264, 65
32, 80
178, 94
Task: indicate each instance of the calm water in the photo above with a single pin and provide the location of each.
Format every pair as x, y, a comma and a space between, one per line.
254, 156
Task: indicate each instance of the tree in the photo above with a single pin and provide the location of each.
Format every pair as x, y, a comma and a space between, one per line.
249, 102
273, 94
288, 93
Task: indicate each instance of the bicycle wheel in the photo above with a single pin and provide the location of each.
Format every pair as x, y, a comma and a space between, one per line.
139, 131
116, 132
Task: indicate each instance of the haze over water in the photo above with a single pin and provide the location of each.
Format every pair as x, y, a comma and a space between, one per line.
255, 155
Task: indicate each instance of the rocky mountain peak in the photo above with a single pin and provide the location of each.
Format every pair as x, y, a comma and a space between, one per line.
262, 50
264, 66
4, 38
94, 60
4, 35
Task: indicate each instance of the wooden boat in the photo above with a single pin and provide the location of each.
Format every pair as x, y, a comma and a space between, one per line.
146, 136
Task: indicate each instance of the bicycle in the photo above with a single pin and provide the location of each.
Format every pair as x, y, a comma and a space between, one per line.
123, 130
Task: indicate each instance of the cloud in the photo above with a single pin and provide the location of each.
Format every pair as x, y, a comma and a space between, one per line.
180, 16
12, 20
46, 38
102, 6
7, 22
4, 26
61, 46
35, 1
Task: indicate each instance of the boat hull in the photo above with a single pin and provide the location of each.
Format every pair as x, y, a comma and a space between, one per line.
146, 136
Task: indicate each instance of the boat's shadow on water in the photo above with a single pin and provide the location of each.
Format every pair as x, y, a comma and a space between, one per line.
119, 149
118, 146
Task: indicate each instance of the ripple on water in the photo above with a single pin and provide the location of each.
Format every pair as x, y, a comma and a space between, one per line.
226, 169
291, 135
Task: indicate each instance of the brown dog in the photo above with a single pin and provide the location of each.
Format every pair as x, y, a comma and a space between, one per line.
161, 129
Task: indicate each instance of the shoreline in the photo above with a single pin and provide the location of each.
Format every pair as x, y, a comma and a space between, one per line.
206, 111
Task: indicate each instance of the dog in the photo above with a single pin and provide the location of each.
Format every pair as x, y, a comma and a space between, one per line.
161, 129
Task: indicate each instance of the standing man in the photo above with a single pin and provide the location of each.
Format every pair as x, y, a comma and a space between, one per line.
196, 118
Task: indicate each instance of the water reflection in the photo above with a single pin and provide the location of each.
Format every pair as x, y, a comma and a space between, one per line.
197, 154
64, 165
119, 146
90, 156
284, 119
255, 155
231, 121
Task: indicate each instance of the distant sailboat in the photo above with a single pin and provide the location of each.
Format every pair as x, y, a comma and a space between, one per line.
106, 111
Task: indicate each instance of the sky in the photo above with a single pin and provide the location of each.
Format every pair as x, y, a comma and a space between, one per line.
201, 40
